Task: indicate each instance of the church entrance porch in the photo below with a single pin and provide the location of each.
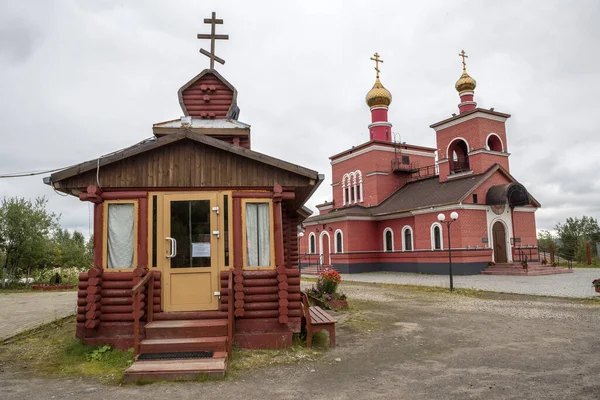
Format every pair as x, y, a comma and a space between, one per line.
499, 242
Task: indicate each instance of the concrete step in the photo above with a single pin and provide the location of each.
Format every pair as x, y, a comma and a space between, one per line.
177, 345
176, 370
186, 329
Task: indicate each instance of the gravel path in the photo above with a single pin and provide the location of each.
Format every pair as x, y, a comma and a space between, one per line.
22, 311
403, 344
575, 285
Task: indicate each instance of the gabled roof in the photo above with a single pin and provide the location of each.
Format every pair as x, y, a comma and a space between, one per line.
421, 194
154, 143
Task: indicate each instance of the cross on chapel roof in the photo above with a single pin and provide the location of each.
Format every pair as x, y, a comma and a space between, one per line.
212, 36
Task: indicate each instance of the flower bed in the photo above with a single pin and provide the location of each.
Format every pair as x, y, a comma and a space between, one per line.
325, 293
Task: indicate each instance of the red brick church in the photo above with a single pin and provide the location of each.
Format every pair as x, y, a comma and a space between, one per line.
387, 196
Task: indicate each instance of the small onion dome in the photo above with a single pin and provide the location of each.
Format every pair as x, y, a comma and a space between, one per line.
465, 83
378, 96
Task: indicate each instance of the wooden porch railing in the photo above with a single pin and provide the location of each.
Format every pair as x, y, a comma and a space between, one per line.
230, 317
138, 307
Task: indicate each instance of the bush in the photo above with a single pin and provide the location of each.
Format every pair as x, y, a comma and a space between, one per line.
56, 279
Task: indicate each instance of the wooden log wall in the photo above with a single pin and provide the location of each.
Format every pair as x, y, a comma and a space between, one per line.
261, 294
290, 221
107, 297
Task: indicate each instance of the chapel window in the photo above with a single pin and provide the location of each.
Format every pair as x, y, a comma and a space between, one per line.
120, 235
258, 235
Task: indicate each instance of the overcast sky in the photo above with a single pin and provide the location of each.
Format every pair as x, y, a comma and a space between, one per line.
79, 79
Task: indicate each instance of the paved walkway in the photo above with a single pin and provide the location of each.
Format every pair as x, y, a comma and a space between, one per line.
577, 285
22, 311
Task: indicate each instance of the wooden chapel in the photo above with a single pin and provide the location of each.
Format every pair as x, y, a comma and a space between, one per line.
195, 238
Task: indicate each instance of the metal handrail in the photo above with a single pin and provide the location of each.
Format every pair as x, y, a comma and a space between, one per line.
138, 311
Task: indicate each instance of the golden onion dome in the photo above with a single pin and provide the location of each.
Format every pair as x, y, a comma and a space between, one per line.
378, 96
465, 83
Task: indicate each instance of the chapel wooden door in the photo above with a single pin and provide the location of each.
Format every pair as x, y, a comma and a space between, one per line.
499, 237
191, 267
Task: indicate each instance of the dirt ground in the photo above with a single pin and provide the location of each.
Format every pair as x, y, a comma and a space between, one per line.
403, 344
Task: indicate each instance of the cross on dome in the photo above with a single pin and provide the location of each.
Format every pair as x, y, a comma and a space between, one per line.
377, 61
212, 36
463, 55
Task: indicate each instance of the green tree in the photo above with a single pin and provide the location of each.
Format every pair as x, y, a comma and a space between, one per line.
25, 231
574, 233
545, 239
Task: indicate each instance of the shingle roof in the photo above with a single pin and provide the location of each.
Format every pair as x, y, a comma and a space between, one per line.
429, 192
420, 194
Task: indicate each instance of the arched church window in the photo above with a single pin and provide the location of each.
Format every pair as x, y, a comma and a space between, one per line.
494, 143
352, 188
312, 243
436, 237
388, 240
339, 242
407, 242
458, 156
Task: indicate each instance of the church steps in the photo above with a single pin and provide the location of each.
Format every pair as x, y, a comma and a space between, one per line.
181, 336
533, 269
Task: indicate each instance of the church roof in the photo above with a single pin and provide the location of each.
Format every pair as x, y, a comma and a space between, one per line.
429, 193
421, 194
153, 143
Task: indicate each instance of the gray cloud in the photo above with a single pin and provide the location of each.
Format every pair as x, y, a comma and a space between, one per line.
81, 79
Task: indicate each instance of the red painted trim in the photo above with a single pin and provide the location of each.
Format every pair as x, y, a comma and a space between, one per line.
123, 195
98, 233
237, 233
142, 257
262, 195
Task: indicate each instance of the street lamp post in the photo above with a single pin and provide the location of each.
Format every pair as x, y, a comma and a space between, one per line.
442, 219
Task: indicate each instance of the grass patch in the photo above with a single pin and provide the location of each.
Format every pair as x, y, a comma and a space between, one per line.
53, 350
360, 315
244, 360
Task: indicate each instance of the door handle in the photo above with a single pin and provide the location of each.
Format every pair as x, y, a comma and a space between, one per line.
173, 247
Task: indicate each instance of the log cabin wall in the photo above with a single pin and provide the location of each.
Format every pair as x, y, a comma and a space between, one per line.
108, 304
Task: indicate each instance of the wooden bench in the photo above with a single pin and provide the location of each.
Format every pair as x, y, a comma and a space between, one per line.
316, 320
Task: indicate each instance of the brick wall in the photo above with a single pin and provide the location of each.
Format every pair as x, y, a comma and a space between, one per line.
474, 132
524, 228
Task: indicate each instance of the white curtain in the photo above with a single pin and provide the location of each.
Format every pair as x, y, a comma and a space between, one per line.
120, 236
258, 235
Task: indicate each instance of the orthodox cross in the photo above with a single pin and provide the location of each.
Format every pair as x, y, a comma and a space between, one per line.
377, 61
212, 36
463, 55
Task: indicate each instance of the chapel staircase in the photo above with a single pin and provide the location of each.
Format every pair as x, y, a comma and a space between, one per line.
180, 336
533, 269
